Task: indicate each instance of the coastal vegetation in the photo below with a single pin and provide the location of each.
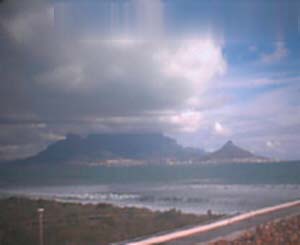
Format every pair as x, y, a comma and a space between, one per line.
76, 224
283, 231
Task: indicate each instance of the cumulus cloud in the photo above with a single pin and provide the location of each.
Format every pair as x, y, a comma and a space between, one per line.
128, 77
91, 81
196, 61
266, 124
63, 71
188, 121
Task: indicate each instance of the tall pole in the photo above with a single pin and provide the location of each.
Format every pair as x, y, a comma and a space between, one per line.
41, 223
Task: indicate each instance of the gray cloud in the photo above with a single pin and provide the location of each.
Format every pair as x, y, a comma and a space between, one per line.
61, 73
55, 82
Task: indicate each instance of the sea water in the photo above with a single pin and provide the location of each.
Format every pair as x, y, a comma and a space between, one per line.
221, 193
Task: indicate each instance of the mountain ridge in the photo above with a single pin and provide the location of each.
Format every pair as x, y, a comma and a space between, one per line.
135, 149
100, 148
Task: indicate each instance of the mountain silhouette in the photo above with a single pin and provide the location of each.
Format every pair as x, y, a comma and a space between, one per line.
97, 147
146, 148
231, 152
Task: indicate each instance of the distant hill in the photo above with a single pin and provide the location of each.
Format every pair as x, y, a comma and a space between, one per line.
134, 149
116, 149
229, 152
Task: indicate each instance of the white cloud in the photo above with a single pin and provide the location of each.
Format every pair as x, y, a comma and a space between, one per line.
268, 123
129, 80
162, 121
133, 78
187, 64
240, 82
279, 53
219, 129
273, 144
49, 136
157, 75
125, 72
196, 61
189, 121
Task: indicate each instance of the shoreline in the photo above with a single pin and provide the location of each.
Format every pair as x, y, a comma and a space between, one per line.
221, 198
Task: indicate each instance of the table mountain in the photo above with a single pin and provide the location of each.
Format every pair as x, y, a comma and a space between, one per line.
115, 148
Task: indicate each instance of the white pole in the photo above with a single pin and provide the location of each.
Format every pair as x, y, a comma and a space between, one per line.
41, 223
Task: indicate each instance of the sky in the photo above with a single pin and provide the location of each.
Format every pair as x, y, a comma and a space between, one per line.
202, 72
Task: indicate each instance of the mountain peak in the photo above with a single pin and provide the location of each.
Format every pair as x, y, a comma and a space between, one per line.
230, 151
229, 142
230, 146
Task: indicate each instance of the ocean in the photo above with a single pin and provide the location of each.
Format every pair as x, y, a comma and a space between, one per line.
229, 189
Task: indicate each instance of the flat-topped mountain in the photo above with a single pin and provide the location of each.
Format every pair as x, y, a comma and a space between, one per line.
229, 152
109, 149
134, 149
